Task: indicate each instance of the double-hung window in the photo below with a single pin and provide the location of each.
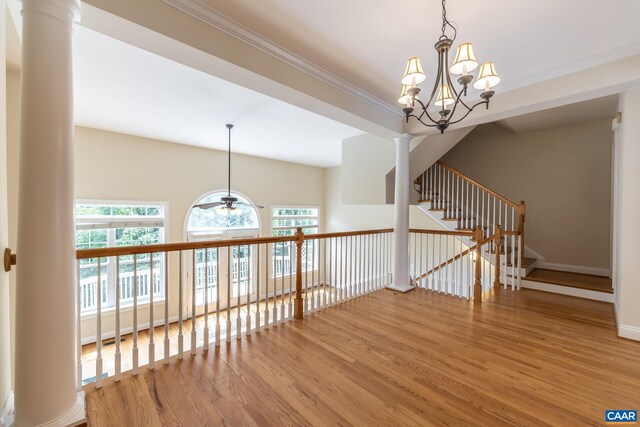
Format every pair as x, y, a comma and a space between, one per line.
108, 224
284, 222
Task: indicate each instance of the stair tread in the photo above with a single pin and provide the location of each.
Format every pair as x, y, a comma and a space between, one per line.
573, 280
524, 262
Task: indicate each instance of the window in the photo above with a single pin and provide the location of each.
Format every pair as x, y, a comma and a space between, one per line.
287, 220
217, 218
284, 222
107, 224
222, 224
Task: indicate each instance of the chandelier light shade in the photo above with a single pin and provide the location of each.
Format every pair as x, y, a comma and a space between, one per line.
465, 61
444, 95
413, 74
449, 99
487, 77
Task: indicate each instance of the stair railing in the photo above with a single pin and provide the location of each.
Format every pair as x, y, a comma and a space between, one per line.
459, 196
473, 205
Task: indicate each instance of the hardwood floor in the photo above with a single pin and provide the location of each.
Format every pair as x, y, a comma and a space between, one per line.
574, 280
420, 358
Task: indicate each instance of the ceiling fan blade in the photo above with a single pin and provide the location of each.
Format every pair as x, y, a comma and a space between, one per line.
208, 205
249, 205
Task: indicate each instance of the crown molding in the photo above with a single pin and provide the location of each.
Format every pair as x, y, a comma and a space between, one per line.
209, 16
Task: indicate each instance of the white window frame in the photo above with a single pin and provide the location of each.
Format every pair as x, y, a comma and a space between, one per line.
111, 222
293, 228
271, 217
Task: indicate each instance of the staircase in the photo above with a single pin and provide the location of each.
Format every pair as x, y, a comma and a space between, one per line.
458, 203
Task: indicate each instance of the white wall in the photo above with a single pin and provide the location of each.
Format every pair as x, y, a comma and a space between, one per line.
5, 322
563, 175
626, 217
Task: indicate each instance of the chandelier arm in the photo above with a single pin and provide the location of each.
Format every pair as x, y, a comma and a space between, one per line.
455, 106
469, 112
424, 112
421, 121
435, 86
451, 87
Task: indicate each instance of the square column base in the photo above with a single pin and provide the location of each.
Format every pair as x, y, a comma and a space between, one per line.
403, 289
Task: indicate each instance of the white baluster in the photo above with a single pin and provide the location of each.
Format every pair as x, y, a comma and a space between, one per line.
193, 306
180, 307
152, 346
266, 297
229, 291
258, 289
167, 348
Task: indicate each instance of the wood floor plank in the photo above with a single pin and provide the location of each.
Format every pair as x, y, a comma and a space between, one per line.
522, 358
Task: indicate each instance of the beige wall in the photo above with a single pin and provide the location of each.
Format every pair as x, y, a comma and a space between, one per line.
564, 176
341, 216
112, 166
366, 160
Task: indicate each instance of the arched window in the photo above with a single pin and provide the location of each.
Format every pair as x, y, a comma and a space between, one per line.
222, 219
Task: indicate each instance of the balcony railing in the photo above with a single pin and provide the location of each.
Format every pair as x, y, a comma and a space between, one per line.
216, 291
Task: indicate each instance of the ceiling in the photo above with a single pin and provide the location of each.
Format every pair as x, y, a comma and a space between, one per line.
367, 42
124, 89
567, 115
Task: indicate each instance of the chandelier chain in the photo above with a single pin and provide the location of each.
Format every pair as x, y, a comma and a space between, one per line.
445, 23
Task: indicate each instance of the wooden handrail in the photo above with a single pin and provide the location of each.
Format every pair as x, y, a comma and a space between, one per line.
444, 264
173, 247
456, 257
442, 232
346, 234
477, 184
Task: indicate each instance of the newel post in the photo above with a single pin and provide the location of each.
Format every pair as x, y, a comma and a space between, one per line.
522, 210
497, 242
477, 286
298, 308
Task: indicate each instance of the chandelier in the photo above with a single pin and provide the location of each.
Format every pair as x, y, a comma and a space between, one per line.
448, 99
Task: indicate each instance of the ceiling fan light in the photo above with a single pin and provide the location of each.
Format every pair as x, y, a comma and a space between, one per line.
487, 77
444, 95
465, 61
413, 73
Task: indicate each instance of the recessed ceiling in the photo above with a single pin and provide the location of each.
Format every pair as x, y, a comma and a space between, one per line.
125, 89
367, 42
567, 115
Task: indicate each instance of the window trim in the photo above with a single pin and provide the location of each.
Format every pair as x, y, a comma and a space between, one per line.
129, 222
271, 216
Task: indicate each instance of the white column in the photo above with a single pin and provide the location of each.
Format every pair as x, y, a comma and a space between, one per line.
401, 216
45, 389
626, 212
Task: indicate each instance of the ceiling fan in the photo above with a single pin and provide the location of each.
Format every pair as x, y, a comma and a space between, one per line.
227, 202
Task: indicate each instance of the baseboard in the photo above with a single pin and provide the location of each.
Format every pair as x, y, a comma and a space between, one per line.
625, 331
629, 332
7, 416
594, 271
566, 290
